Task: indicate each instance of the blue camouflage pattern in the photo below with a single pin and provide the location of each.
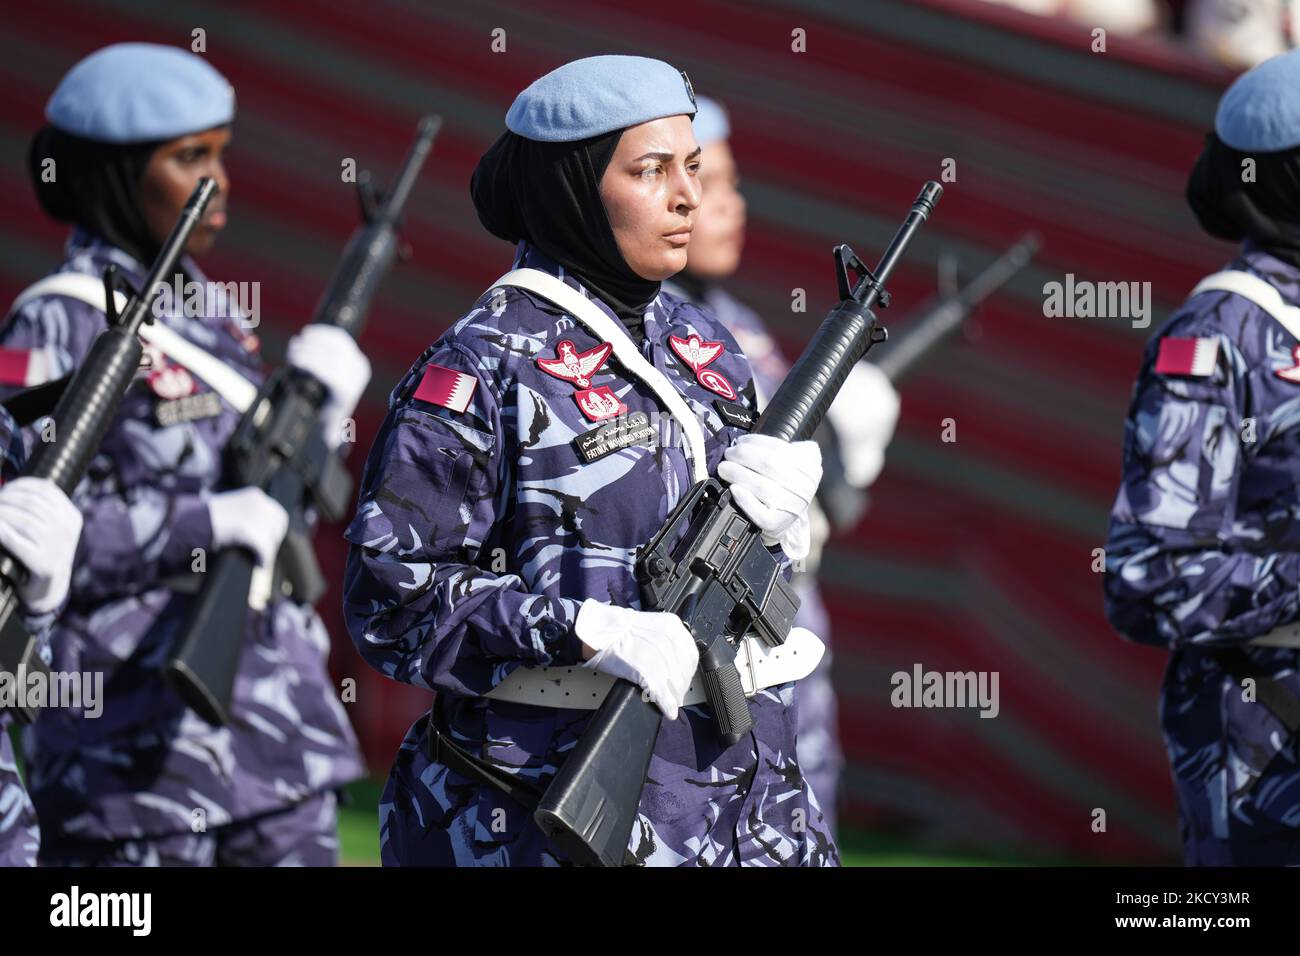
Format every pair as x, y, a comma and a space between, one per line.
20, 835
476, 539
818, 742
148, 766
302, 834
1204, 554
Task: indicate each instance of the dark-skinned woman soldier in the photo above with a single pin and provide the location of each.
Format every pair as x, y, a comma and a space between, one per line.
131, 129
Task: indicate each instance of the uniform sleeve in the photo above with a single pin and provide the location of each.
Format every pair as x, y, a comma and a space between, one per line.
131, 537
426, 599
1175, 573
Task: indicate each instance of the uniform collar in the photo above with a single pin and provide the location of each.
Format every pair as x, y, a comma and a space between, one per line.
528, 256
1281, 275
90, 247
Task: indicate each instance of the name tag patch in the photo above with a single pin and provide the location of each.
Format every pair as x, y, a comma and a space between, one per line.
604, 440
188, 408
737, 416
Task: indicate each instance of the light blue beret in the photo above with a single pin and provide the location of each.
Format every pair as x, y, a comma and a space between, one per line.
1260, 112
135, 92
711, 124
598, 94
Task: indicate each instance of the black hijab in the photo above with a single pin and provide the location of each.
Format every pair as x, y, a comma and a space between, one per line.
1267, 209
549, 195
95, 185
694, 287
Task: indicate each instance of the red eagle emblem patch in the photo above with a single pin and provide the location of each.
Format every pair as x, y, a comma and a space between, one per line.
695, 352
574, 366
599, 403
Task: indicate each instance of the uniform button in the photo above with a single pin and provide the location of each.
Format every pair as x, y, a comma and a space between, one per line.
552, 631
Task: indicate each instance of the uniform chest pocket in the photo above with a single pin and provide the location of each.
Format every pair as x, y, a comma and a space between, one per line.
423, 489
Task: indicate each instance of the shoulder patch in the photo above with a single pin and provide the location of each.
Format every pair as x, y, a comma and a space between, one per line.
573, 366
446, 387
22, 367
1187, 356
694, 351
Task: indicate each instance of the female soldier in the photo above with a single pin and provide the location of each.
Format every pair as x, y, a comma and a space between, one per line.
524, 459
1204, 554
131, 129
39, 527
860, 423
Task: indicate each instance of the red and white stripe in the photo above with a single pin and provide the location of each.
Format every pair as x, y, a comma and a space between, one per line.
1187, 356
25, 367
446, 387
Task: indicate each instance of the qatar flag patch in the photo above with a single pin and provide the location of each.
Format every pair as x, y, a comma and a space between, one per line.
25, 367
446, 387
1195, 357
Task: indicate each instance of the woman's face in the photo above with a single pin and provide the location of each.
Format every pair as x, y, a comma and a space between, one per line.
651, 190
173, 171
719, 233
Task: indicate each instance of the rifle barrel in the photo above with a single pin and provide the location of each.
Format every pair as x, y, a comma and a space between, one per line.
942, 316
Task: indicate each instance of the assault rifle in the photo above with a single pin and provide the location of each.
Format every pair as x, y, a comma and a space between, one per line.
933, 324
280, 447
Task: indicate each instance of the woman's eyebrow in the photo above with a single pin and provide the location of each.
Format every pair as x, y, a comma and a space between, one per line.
664, 157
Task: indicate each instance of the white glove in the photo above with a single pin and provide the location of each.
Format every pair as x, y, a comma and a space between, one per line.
864, 415
652, 649
333, 356
40, 527
774, 482
248, 518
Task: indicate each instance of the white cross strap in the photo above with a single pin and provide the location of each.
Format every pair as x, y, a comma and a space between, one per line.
230, 384
1258, 291
608, 330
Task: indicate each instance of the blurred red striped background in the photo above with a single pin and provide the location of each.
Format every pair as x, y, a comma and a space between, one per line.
977, 554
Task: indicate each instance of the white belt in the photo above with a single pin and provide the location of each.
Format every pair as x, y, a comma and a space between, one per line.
1288, 635
581, 688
